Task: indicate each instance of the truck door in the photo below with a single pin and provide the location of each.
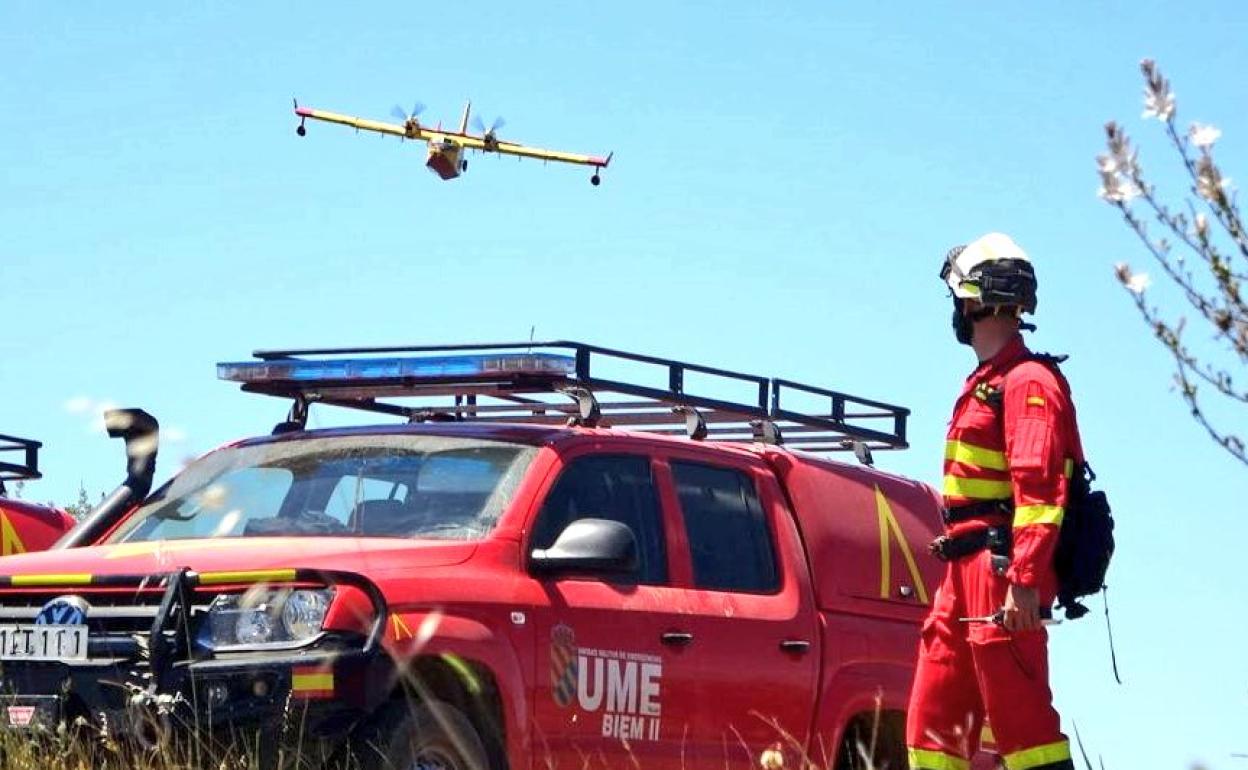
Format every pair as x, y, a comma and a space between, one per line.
608, 690
755, 642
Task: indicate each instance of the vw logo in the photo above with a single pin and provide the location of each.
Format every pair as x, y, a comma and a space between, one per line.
63, 611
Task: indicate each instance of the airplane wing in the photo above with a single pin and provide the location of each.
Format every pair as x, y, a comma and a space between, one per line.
358, 123
524, 151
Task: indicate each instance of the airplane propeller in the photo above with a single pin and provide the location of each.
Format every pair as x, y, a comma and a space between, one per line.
400, 114
480, 126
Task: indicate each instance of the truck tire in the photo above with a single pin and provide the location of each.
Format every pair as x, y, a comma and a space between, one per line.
420, 736
873, 742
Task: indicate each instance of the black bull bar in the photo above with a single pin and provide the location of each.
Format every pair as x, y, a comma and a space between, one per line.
173, 668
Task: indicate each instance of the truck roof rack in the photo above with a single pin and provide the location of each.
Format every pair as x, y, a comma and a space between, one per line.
27, 450
569, 383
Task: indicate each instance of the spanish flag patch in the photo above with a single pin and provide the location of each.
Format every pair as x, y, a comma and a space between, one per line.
1035, 401
311, 682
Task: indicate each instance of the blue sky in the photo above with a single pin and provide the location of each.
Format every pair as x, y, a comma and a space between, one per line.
787, 179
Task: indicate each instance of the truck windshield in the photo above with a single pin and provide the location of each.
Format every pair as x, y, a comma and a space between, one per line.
359, 486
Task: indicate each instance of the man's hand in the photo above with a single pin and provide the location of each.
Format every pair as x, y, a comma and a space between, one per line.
1022, 609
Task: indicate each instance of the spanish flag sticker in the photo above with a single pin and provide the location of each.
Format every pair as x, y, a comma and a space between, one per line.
311, 682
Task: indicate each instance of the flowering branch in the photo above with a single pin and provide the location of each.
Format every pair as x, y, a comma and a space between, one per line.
1215, 291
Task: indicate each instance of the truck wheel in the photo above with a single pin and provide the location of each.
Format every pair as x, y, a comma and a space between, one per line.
871, 742
420, 736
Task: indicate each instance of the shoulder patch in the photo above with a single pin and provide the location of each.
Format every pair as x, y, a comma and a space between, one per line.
1033, 373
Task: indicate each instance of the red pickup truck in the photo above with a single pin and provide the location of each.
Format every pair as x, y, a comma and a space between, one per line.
26, 526
548, 565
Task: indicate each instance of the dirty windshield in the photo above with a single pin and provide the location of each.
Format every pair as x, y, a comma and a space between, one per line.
369, 486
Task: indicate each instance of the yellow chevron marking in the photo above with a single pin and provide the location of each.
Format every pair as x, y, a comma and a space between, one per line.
888, 524
10, 542
400, 628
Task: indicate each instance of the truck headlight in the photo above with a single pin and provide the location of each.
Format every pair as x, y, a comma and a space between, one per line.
303, 613
265, 617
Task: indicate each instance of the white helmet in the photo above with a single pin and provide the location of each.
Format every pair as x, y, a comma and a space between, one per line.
993, 270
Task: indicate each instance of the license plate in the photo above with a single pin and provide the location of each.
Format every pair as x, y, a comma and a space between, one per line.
43, 642
31, 711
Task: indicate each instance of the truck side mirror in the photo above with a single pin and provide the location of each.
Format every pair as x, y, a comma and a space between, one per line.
589, 545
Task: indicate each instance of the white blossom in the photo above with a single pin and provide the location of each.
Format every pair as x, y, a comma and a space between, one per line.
1122, 157
1158, 98
1135, 282
1158, 105
1117, 189
1210, 184
1138, 282
1203, 136
1202, 225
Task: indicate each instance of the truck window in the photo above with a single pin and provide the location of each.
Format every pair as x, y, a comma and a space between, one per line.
353, 491
615, 487
359, 486
729, 539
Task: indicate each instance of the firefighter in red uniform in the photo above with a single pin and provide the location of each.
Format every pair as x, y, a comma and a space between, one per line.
1009, 456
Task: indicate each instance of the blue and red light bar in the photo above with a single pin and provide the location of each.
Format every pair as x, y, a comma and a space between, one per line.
405, 369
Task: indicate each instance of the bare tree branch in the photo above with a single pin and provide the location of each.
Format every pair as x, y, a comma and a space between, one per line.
1170, 336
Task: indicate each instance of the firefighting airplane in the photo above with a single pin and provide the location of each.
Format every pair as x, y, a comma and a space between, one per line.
446, 148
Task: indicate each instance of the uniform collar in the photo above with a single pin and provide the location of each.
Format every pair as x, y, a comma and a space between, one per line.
1005, 357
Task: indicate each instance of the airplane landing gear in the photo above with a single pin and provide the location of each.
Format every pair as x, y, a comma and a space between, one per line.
595, 180
301, 131
463, 166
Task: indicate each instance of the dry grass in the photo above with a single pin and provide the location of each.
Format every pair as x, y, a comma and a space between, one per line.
92, 747
92, 750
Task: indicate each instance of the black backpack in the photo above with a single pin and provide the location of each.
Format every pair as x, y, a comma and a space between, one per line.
1085, 543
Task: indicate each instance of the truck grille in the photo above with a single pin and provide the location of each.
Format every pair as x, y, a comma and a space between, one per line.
114, 619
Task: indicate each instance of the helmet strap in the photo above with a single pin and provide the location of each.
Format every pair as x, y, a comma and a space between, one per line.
963, 323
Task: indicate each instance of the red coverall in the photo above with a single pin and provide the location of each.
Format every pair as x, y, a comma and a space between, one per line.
1024, 449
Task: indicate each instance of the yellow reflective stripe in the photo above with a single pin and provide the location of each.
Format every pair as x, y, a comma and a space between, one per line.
1026, 515
248, 576
922, 759
79, 579
961, 452
303, 682
989, 459
1038, 756
977, 489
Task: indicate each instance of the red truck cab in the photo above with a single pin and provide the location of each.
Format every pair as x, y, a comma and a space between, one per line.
541, 568
26, 526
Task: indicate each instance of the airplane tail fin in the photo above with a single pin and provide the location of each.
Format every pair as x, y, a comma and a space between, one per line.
463, 124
